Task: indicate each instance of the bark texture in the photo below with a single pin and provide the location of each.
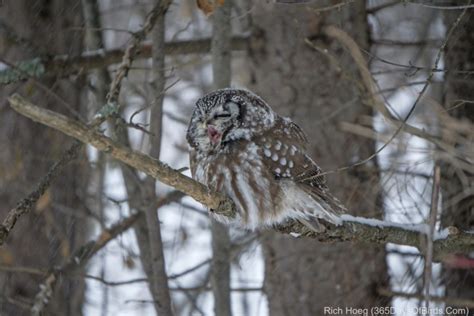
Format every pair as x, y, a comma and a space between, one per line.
302, 277
158, 279
456, 184
221, 244
53, 230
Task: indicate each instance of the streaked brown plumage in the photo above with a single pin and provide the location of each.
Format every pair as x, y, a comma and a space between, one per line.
239, 146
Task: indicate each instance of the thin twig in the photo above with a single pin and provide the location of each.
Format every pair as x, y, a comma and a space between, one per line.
78, 259
133, 48
375, 9
336, 6
27, 203
354, 50
439, 7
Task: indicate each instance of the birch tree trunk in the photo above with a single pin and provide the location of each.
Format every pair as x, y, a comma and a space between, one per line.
302, 276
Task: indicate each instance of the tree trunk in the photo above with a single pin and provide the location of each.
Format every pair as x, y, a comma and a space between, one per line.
304, 276
458, 86
221, 243
55, 227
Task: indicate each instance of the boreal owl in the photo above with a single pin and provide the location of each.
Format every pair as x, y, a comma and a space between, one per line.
241, 147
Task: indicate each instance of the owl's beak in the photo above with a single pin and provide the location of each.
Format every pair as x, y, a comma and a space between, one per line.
214, 134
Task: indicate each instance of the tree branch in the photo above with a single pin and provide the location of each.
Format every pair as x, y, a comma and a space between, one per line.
451, 240
64, 66
78, 259
137, 160
82, 255
455, 301
359, 229
132, 50
26, 204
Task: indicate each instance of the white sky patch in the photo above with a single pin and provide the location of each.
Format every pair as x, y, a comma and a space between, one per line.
249, 274
92, 153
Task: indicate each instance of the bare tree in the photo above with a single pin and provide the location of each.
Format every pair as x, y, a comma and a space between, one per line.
221, 244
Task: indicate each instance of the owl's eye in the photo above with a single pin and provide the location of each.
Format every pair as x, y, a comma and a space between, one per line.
222, 115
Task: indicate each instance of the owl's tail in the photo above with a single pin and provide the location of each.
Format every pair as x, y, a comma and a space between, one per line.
328, 207
310, 203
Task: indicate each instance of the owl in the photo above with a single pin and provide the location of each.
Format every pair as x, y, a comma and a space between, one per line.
241, 147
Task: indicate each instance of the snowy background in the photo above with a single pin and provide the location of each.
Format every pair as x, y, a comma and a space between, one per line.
407, 165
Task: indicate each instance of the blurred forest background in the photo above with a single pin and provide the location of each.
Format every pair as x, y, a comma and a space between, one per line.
386, 80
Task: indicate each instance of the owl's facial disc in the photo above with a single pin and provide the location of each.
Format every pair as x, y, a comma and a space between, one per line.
226, 116
220, 120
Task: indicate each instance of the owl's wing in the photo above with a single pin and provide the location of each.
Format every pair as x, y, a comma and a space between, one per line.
307, 172
310, 178
284, 155
284, 148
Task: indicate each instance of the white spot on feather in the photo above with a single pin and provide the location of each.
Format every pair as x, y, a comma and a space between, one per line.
293, 150
278, 145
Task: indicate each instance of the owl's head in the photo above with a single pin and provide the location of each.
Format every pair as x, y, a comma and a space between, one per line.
224, 116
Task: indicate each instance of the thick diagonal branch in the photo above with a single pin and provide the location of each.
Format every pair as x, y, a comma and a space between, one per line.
137, 160
451, 240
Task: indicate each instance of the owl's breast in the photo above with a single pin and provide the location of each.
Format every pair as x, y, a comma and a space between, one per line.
239, 172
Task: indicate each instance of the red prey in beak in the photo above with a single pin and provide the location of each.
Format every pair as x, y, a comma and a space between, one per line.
213, 134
